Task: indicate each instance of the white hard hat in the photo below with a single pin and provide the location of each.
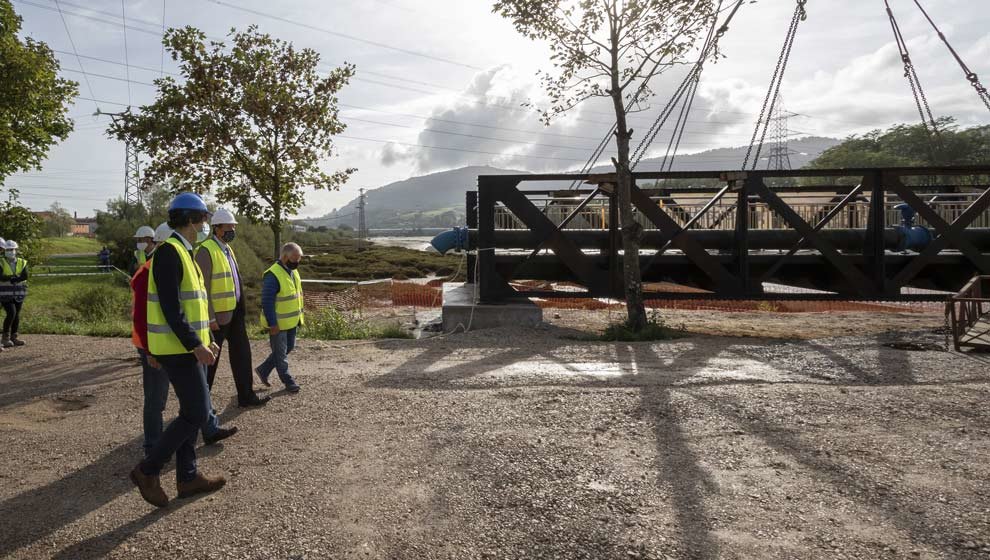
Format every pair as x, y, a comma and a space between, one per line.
11, 244
3, 243
144, 231
222, 216
162, 232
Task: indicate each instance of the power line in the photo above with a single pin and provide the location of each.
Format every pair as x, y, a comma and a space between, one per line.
455, 149
105, 76
162, 69
581, 148
346, 36
127, 69
74, 49
118, 63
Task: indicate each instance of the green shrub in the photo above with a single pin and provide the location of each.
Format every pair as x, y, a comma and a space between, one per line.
656, 329
102, 302
331, 324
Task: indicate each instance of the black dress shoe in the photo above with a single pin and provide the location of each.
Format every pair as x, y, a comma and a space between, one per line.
257, 401
222, 433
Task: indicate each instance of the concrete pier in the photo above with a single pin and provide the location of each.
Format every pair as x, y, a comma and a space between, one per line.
461, 312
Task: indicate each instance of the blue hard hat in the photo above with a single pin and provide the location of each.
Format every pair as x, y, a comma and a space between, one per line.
188, 201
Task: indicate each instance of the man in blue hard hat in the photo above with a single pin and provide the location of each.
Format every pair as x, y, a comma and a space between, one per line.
179, 339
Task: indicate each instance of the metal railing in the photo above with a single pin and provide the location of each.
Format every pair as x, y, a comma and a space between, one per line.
594, 216
969, 315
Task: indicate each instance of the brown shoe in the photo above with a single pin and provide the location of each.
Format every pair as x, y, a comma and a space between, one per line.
150, 487
200, 485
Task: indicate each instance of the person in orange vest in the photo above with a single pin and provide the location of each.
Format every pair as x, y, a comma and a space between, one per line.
153, 379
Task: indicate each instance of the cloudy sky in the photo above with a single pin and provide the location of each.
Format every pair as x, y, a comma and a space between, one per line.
440, 82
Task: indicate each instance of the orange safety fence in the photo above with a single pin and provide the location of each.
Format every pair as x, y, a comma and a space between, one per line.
386, 294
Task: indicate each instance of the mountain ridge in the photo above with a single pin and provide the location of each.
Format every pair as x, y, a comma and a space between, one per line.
437, 199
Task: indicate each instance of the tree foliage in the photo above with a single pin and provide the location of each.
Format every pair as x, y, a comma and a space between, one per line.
906, 145
612, 49
33, 99
59, 221
253, 122
19, 224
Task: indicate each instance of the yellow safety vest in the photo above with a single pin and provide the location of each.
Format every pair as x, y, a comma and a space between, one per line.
141, 257
222, 291
289, 301
7, 290
192, 296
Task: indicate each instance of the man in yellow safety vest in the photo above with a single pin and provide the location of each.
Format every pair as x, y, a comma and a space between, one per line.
281, 314
225, 292
179, 339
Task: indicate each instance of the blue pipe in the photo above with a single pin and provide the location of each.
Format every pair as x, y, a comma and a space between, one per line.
910, 236
456, 239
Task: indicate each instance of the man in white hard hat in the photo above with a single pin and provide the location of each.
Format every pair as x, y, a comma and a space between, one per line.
225, 294
144, 243
13, 290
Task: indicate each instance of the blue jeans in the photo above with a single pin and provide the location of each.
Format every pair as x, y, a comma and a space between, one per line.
155, 383
188, 379
282, 344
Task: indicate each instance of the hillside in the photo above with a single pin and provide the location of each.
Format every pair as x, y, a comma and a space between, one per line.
437, 199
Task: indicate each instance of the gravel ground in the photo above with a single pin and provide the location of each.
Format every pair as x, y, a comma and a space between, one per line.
517, 443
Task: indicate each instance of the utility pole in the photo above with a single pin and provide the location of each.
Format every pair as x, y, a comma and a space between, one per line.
132, 167
362, 229
779, 155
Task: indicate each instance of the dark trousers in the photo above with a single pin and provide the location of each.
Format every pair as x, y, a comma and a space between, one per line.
188, 379
12, 320
239, 352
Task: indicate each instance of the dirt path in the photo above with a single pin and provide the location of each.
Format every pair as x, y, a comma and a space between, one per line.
520, 444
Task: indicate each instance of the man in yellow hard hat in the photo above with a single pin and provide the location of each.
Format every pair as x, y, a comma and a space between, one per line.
225, 292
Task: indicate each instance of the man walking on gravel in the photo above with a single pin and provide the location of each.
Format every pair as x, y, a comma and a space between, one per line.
179, 339
225, 296
281, 314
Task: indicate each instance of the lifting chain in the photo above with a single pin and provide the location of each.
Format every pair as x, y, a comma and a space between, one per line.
688, 84
920, 99
974, 80
800, 14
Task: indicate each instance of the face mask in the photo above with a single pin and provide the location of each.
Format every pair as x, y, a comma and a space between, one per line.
228, 236
292, 265
142, 246
11, 254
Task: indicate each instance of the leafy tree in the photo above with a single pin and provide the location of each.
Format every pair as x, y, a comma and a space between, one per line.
253, 121
59, 223
33, 99
21, 225
611, 49
907, 146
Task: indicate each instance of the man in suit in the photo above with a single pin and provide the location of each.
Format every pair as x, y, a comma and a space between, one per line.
227, 308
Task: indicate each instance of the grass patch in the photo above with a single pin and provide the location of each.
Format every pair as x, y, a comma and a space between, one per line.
656, 329
61, 245
331, 324
62, 306
340, 260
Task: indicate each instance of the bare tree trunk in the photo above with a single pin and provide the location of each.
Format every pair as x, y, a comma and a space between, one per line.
631, 231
